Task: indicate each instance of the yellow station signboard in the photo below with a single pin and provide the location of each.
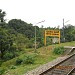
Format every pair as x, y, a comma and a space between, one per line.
52, 33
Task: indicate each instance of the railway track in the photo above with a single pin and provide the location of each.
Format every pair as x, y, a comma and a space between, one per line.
72, 72
66, 67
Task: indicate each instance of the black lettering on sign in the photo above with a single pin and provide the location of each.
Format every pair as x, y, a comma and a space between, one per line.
56, 31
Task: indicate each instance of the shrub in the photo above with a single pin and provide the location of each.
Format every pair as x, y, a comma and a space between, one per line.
59, 50
29, 45
2, 71
1, 62
18, 61
40, 45
28, 60
8, 56
13, 67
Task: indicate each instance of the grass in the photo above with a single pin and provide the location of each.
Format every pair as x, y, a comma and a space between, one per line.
67, 44
43, 56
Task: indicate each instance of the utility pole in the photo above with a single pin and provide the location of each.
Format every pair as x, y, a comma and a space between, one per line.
35, 33
63, 29
63, 32
35, 38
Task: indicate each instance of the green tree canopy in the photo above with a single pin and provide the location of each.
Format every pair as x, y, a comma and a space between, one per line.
69, 31
22, 27
2, 15
5, 41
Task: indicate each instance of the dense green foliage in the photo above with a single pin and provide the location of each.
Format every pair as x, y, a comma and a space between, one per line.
2, 14
19, 61
13, 67
22, 27
69, 35
2, 71
59, 50
6, 42
28, 60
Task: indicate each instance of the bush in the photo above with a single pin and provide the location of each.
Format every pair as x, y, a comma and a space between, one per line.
1, 62
28, 60
8, 56
13, 67
29, 45
59, 50
2, 71
40, 44
19, 61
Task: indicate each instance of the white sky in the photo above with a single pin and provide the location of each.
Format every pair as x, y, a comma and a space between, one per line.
34, 11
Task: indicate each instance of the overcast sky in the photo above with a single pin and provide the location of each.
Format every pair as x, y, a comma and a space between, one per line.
34, 11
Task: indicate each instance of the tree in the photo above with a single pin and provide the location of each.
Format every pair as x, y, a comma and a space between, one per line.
5, 42
22, 27
69, 31
2, 15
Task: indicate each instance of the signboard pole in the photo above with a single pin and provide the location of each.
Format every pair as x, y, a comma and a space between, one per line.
59, 37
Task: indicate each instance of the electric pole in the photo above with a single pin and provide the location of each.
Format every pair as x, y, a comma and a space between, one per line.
63, 32
35, 33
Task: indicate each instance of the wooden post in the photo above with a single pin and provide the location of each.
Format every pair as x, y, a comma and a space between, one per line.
59, 37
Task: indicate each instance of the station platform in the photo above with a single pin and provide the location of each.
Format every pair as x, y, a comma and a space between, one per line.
72, 47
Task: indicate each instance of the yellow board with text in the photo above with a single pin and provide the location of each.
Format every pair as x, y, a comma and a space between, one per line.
51, 33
